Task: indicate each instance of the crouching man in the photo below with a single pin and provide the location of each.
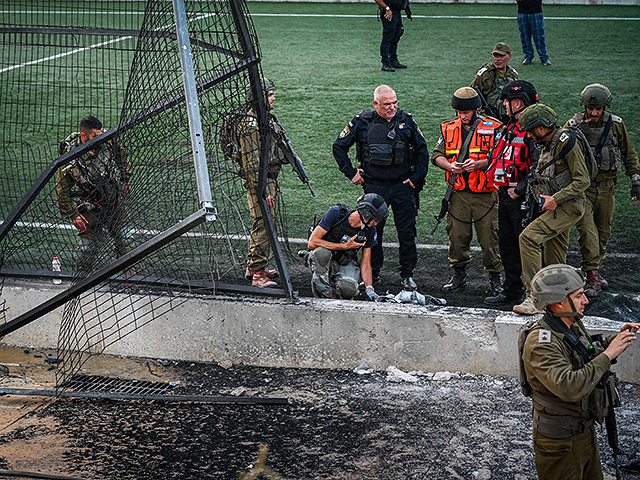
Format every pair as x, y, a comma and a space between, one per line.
334, 245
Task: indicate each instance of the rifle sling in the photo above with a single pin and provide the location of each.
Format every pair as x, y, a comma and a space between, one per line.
603, 137
463, 153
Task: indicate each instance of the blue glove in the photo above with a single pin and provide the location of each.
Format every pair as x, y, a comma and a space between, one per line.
371, 293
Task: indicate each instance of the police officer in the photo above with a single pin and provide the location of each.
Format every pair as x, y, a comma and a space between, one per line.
512, 158
562, 369
494, 76
392, 30
558, 183
90, 191
249, 140
612, 147
335, 243
393, 162
462, 152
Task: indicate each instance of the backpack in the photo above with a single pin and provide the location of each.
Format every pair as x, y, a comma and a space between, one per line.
523, 333
228, 139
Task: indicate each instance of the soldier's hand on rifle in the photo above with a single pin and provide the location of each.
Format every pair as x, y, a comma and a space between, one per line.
621, 342
409, 182
358, 179
549, 203
80, 223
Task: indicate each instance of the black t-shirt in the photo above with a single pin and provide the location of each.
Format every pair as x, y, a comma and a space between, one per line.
529, 7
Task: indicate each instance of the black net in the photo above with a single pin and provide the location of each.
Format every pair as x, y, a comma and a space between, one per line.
111, 64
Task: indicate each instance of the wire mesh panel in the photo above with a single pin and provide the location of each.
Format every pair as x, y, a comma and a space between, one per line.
70, 71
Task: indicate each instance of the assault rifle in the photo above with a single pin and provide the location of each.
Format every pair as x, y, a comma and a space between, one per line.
489, 109
610, 382
445, 202
292, 157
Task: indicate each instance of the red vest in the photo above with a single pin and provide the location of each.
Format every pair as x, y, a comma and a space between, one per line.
480, 146
511, 160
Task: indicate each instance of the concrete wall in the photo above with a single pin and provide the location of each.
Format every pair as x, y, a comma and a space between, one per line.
315, 333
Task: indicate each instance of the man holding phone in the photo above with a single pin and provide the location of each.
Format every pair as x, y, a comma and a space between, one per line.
462, 152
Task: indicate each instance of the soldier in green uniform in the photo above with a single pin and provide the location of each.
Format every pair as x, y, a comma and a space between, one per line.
564, 371
493, 77
612, 148
248, 134
558, 183
90, 191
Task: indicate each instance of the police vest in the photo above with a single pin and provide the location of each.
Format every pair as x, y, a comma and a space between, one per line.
341, 232
510, 159
481, 144
609, 158
385, 146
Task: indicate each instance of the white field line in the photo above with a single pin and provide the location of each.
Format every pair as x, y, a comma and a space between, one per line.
422, 246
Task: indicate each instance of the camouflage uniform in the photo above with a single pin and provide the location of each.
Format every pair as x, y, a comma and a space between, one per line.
571, 177
567, 400
100, 177
249, 138
595, 225
491, 82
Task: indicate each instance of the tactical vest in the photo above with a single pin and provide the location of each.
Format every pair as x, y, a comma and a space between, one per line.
510, 159
550, 180
499, 82
341, 232
481, 145
385, 145
609, 159
574, 416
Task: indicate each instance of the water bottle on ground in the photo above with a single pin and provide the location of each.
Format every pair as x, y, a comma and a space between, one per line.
55, 266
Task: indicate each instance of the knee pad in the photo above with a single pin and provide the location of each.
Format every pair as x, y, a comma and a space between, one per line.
321, 255
347, 288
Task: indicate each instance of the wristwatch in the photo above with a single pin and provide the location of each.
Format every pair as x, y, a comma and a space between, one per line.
387, 9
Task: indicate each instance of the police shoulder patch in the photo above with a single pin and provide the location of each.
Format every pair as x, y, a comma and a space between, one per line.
420, 131
345, 132
544, 336
564, 137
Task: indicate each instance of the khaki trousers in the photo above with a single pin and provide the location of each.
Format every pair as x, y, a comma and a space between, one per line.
595, 224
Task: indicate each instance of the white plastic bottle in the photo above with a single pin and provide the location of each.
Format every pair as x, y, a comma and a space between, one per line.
55, 266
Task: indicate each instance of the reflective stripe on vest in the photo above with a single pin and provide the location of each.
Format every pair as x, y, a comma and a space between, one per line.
512, 162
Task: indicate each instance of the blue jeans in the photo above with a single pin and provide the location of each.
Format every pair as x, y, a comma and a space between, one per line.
532, 25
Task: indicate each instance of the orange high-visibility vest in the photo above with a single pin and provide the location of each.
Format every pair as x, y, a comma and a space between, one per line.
481, 144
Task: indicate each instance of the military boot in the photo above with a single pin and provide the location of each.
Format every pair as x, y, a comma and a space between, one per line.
495, 281
528, 307
603, 283
458, 280
592, 288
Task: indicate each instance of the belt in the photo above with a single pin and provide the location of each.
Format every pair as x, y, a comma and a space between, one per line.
381, 182
604, 183
559, 426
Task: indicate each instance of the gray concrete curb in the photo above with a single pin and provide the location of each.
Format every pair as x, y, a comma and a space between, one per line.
314, 333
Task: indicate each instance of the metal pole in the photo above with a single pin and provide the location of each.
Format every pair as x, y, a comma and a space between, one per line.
193, 107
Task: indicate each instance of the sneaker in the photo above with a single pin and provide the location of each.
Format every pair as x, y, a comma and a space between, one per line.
528, 307
260, 279
458, 280
408, 284
397, 64
387, 68
526, 61
546, 62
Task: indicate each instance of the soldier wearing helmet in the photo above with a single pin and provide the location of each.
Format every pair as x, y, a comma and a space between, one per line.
511, 160
494, 76
612, 148
557, 184
248, 135
335, 243
564, 369
393, 161
463, 152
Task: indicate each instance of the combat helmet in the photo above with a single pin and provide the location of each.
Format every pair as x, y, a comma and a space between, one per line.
596, 95
372, 206
266, 84
520, 89
554, 283
465, 98
536, 115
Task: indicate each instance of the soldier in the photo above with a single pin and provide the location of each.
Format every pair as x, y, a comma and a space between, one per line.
101, 177
393, 162
558, 183
493, 77
612, 147
249, 139
462, 152
511, 160
334, 245
566, 374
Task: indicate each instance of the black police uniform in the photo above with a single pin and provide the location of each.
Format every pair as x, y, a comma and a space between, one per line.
392, 31
389, 152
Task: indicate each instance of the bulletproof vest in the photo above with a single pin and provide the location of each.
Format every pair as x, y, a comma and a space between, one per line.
277, 157
499, 82
341, 232
385, 146
550, 180
609, 158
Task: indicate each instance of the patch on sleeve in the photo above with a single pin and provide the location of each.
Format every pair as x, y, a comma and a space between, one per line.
481, 71
564, 137
440, 140
544, 336
345, 132
419, 131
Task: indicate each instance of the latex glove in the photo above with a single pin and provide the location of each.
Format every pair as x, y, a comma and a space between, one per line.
371, 293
